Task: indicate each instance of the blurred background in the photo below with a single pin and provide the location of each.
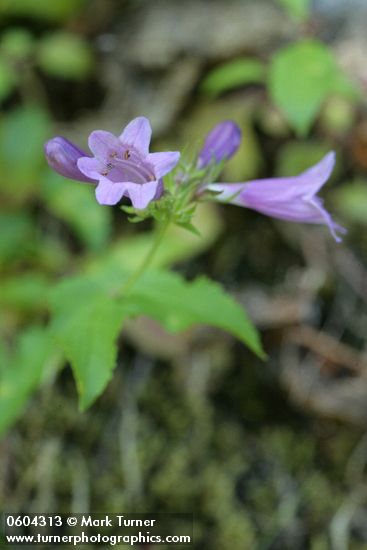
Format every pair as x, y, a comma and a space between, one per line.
268, 456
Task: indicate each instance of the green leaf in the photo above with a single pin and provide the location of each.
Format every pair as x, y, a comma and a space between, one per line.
8, 79
299, 9
65, 55
178, 304
232, 75
189, 227
301, 77
87, 320
74, 293
21, 374
87, 333
76, 204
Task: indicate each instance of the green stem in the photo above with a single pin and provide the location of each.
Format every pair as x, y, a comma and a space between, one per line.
148, 258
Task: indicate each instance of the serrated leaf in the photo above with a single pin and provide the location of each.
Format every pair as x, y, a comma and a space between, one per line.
178, 304
87, 321
301, 77
232, 75
87, 334
22, 373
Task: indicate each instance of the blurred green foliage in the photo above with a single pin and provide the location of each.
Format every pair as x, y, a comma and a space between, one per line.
299, 9
16, 44
21, 372
297, 156
351, 201
16, 230
65, 55
23, 133
232, 75
299, 78
75, 204
57, 11
60, 54
178, 246
7, 80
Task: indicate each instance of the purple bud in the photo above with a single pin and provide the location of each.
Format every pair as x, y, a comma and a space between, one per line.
62, 156
220, 144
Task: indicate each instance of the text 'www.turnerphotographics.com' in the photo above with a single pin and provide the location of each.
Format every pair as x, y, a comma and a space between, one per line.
105, 529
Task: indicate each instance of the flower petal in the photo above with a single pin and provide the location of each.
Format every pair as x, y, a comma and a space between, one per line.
109, 193
62, 156
137, 134
142, 195
317, 175
163, 162
327, 219
104, 145
91, 167
160, 190
284, 191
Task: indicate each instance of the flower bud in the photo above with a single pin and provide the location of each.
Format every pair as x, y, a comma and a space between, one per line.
62, 156
221, 143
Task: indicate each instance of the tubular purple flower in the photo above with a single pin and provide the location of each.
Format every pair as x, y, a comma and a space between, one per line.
122, 165
62, 156
291, 198
221, 143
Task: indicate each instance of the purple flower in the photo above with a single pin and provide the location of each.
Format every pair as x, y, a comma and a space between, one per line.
292, 198
122, 165
62, 156
220, 144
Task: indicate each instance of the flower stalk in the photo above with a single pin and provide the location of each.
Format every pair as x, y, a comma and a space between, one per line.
135, 276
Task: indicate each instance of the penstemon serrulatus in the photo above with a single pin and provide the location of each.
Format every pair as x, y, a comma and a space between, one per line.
88, 311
